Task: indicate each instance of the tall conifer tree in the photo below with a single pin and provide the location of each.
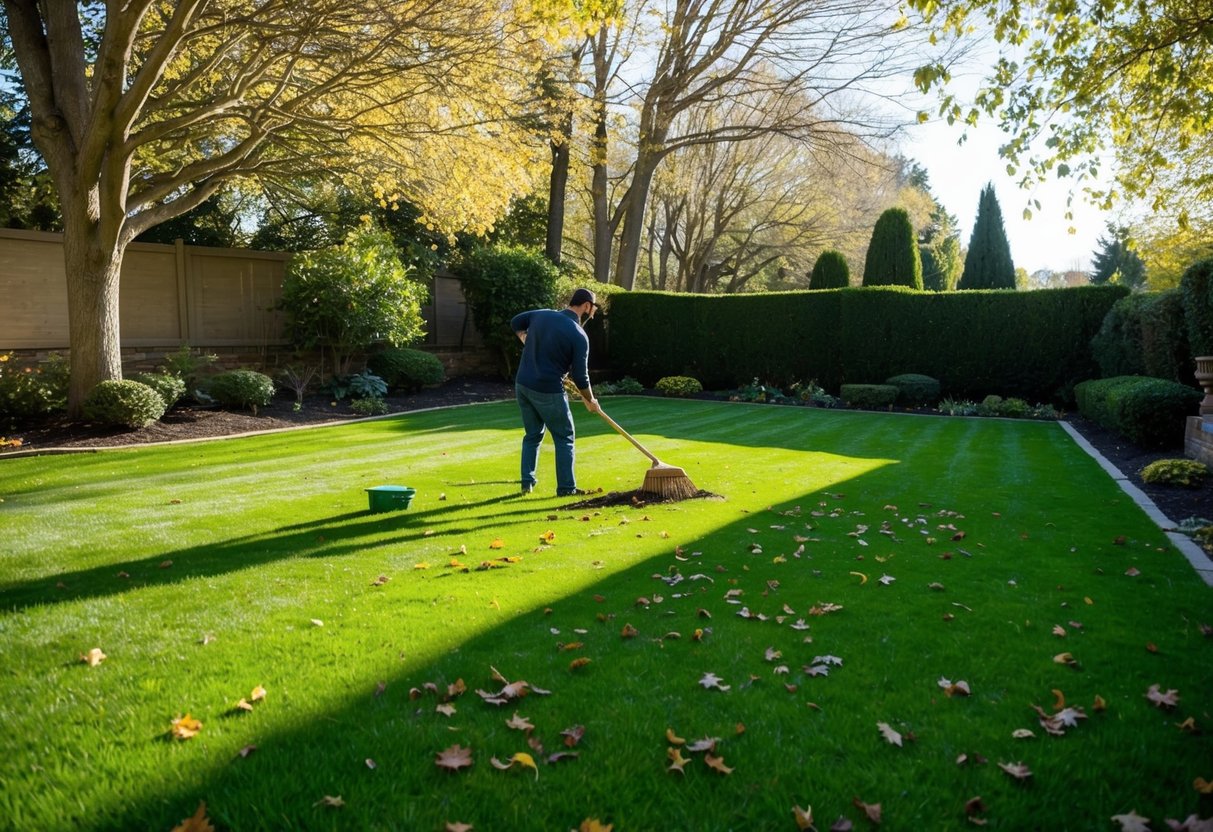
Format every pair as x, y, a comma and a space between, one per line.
988, 264
893, 258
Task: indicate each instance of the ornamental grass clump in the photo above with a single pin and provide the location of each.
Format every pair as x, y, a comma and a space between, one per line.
126, 403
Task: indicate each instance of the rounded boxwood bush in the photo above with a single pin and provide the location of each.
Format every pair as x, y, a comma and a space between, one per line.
242, 389
168, 387
868, 395
1185, 472
830, 271
679, 386
915, 389
125, 402
405, 369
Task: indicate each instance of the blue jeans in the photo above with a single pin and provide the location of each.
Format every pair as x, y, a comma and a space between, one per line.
547, 412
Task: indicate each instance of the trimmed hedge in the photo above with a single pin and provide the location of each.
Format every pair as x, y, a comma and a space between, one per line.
1033, 345
1145, 334
915, 389
869, 395
1150, 412
1196, 290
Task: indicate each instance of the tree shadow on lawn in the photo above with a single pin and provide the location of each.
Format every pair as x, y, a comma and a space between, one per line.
377, 751
325, 537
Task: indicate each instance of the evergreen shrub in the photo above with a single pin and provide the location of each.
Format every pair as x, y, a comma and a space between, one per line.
126, 403
1196, 290
32, 391
1145, 334
1150, 412
830, 271
914, 389
892, 258
679, 386
241, 389
869, 395
406, 369
1186, 472
170, 388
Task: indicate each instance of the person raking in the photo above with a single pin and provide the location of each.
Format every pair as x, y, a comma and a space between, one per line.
554, 345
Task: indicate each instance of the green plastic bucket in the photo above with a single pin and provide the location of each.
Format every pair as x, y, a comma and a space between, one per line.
390, 497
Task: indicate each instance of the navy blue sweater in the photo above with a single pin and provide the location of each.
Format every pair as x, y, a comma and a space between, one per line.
555, 344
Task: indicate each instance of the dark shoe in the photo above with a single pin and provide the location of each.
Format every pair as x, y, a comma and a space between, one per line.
576, 492
526, 489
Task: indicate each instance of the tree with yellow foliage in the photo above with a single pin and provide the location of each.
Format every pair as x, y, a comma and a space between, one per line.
143, 110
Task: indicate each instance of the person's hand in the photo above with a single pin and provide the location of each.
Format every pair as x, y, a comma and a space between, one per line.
592, 405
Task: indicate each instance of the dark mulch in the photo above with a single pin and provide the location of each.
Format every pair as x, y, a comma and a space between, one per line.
1176, 502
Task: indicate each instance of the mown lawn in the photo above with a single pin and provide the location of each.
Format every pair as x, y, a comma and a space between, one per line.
892, 551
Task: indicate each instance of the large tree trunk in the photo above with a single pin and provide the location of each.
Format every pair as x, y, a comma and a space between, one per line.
92, 313
557, 186
604, 231
633, 221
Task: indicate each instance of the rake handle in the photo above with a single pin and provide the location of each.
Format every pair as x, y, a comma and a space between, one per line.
568, 385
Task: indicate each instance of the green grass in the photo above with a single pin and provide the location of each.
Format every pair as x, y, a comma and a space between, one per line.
266, 534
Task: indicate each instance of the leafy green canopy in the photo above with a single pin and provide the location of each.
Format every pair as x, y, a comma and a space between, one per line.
988, 262
1075, 78
893, 258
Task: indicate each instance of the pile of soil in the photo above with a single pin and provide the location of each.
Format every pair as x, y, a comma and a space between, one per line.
1176, 502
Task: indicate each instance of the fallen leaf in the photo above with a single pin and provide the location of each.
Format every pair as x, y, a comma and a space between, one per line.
197, 822
974, 806
1059, 699
628, 631
1059, 631
1100, 704
185, 727
578, 662
717, 764
1132, 572
677, 761
803, 818
93, 657
548, 537
521, 758
519, 723
1066, 659
446, 709
450, 825
1162, 700
330, 801
1016, 770
244, 705
841, 825
705, 744
165, 564
886, 579
454, 758
1188, 726
371, 764
892, 736
871, 810
247, 750
497, 543
1202, 785
1023, 734
772, 654
1192, 823
595, 825
711, 680
573, 735
316, 622
1132, 822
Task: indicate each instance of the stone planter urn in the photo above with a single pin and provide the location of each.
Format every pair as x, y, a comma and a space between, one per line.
1204, 377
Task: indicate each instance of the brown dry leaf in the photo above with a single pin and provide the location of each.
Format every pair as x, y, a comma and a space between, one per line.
330, 801
672, 738
572, 736
628, 631
1162, 700
380, 581
454, 758
93, 657
1132, 822
890, 735
519, 723
595, 825
453, 826
960, 688
677, 761
456, 689
166, 564
1059, 631
572, 645
578, 662
974, 806
1066, 659
185, 727
1202, 785
1192, 823
422, 565
871, 810
1059, 699
716, 764
1016, 770
197, 822
1188, 726
547, 537
803, 818
1100, 705
371, 764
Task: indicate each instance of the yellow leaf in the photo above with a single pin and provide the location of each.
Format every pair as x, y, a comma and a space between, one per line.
185, 727
455, 564
197, 822
1060, 700
524, 759
93, 657
595, 825
1100, 704
547, 537
1202, 785
863, 579
497, 543
677, 761
578, 662
258, 694
672, 738
803, 817
422, 565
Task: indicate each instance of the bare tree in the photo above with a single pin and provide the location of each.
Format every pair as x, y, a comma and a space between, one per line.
144, 110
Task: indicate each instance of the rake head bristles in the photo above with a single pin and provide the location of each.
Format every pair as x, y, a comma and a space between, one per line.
668, 482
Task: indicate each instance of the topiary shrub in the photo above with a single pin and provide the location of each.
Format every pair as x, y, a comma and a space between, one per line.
1185, 472
127, 403
914, 389
1196, 290
242, 389
168, 387
405, 369
893, 258
869, 395
679, 386
830, 271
